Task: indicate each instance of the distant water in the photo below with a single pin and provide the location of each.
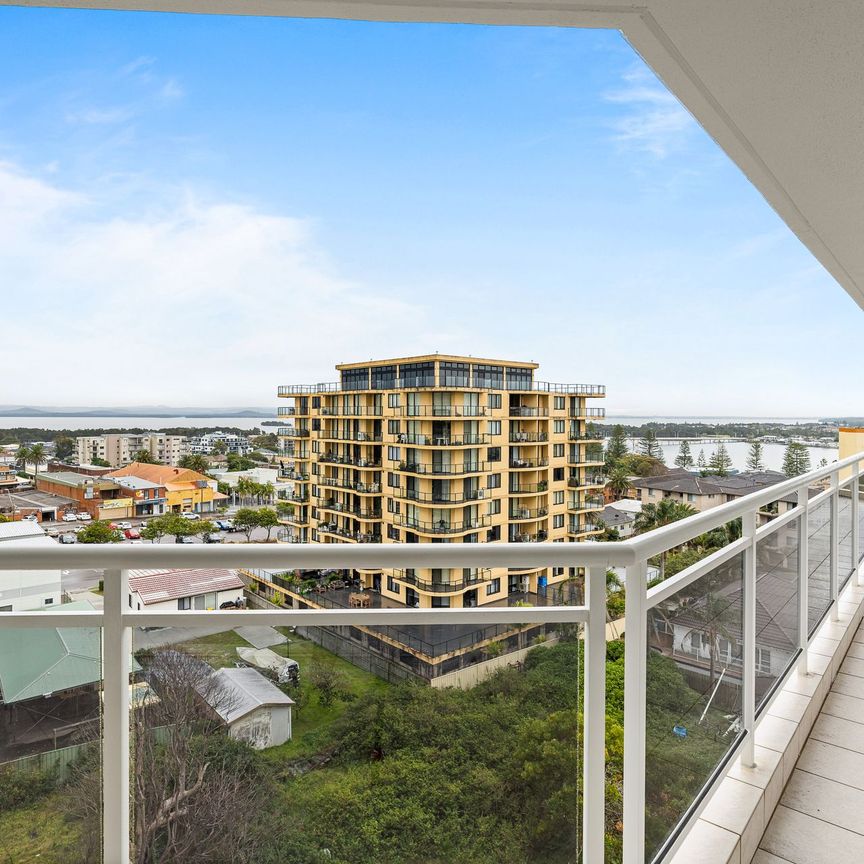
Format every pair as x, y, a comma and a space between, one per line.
772, 454
133, 422
626, 420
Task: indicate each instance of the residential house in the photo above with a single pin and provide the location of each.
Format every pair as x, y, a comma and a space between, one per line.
27, 590
170, 590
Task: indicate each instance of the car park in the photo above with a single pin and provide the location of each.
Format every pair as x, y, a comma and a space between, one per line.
224, 524
132, 534
67, 538
213, 538
84, 517
190, 516
183, 540
124, 526
70, 517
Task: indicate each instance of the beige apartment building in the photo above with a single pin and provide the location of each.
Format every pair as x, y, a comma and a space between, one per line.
120, 449
443, 449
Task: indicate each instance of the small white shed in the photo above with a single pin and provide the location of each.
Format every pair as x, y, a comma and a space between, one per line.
254, 710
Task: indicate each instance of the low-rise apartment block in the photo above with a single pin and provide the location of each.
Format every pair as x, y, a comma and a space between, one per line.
120, 449
225, 442
443, 449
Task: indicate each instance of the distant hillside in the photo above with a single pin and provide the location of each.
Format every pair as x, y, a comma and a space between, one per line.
133, 411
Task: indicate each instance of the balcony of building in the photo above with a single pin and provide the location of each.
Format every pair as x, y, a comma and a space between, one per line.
440, 441
441, 497
441, 527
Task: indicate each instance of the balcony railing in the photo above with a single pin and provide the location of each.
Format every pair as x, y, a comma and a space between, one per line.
296, 476
334, 530
766, 590
529, 463
292, 432
441, 526
442, 469
528, 437
335, 435
519, 514
337, 459
330, 504
528, 411
289, 411
430, 586
443, 411
585, 413
441, 498
440, 440
455, 382
590, 481
528, 488
360, 488
351, 411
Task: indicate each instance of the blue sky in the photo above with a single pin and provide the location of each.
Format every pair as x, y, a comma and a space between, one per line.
196, 209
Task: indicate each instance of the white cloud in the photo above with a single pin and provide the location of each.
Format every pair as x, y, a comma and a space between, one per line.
193, 303
654, 120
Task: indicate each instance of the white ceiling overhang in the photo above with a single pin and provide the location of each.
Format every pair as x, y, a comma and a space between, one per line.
779, 84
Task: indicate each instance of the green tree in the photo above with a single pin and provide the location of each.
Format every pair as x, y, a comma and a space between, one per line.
616, 446
701, 464
22, 457
99, 532
268, 518
618, 482
650, 446
37, 457
220, 448
720, 461
201, 527
99, 462
238, 463
144, 457
639, 465
195, 462
64, 447
657, 515
796, 459
168, 523
754, 457
684, 459
246, 520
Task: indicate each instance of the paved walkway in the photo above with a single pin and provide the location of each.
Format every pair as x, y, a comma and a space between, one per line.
820, 817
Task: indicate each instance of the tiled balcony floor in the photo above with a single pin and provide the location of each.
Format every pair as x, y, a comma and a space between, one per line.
820, 817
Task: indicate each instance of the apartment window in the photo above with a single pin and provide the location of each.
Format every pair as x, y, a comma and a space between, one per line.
314, 512
559, 405
493, 454
453, 374
49, 601
393, 427
487, 376
355, 379
393, 586
691, 497
417, 374
492, 535
494, 400
392, 480
394, 454
557, 473
557, 450
493, 481
763, 660
494, 506
316, 401
494, 427
184, 603
383, 377
393, 400
493, 587
440, 602
393, 533
557, 571
558, 521
558, 497
558, 427
518, 378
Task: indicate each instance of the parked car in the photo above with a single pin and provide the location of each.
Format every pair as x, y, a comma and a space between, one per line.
84, 517
30, 517
213, 538
70, 517
67, 538
131, 542
184, 540
124, 526
191, 516
224, 524
132, 534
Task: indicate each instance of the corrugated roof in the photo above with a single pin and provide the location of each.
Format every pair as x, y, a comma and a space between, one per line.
19, 530
38, 662
157, 586
160, 474
242, 691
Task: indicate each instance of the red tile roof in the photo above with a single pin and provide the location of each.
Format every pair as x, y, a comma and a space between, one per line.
157, 586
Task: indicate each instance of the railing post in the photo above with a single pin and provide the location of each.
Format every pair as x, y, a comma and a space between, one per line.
835, 546
635, 712
803, 578
855, 491
748, 701
116, 649
594, 764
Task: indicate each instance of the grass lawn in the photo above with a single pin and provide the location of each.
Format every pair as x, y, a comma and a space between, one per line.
38, 833
313, 721
219, 650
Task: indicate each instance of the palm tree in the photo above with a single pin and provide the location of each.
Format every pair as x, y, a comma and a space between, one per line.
657, 515
37, 456
618, 482
21, 456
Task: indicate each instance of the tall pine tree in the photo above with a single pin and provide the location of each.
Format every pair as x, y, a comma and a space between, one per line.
720, 461
650, 446
684, 459
754, 457
616, 447
796, 459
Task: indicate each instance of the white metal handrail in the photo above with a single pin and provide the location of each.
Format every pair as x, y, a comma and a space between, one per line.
118, 621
